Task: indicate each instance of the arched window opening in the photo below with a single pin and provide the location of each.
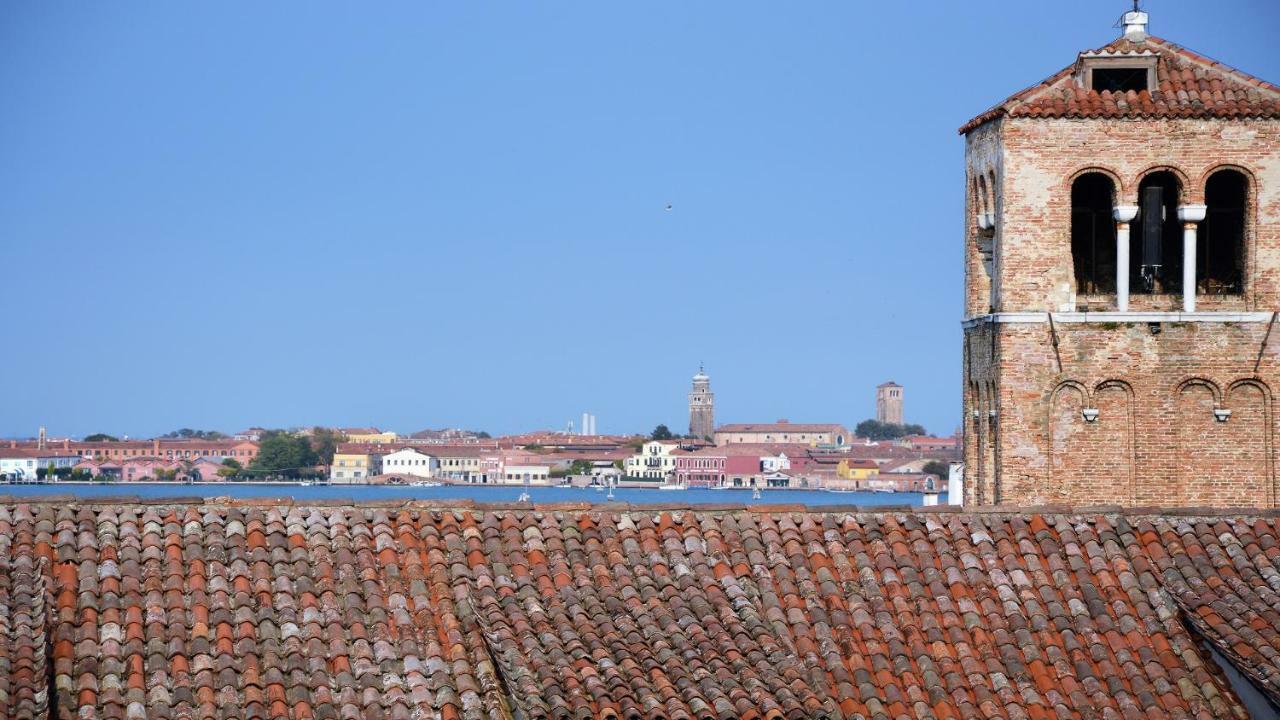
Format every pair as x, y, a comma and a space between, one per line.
1220, 239
1155, 245
1093, 234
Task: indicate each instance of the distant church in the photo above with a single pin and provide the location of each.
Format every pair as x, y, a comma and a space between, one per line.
702, 407
1122, 277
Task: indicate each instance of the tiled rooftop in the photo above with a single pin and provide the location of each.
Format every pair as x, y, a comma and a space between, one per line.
255, 609
1188, 85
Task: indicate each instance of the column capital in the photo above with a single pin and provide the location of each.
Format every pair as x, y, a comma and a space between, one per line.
1125, 213
1192, 213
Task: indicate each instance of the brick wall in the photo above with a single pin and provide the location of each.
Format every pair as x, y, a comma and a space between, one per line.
1156, 441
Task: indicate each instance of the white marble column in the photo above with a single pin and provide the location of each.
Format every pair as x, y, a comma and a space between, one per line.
1124, 214
1191, 216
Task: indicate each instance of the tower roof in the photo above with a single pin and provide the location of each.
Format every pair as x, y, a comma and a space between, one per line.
1187, 85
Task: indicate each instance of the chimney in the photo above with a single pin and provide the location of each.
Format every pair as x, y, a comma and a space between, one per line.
1135, 25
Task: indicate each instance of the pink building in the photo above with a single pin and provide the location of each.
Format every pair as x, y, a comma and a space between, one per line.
137, 469
700, 468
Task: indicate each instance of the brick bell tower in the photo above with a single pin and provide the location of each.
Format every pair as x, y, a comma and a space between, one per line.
1122, 277
702, 406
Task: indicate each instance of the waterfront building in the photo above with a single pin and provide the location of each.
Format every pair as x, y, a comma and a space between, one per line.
355, 462
811, 434
855, 469
24, 464
461, 463
410, 461
655, 461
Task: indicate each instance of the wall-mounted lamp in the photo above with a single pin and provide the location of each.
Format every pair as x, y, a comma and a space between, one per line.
1089, 414
1221, 414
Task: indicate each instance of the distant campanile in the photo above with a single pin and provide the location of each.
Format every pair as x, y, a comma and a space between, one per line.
889, 403
702, 407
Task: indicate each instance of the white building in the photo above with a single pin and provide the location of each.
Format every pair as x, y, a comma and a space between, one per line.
775, 463
23, 464
654, 461
410, 461
534, 474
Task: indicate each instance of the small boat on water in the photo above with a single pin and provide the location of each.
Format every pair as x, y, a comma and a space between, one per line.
672, 487
305, 483
424, 483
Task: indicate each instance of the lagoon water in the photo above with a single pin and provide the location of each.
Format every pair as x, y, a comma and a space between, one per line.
482, 494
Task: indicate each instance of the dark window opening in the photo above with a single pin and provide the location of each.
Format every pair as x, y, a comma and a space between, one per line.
1120, 79
1093, 234
1155, 243
1220, 240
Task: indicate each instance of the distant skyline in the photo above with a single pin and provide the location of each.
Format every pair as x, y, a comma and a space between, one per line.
456, 215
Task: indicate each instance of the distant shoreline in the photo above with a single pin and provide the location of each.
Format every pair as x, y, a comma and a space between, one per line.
496, 486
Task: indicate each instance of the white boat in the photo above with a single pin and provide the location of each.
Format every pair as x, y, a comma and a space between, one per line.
424, 483
305, 483
672, 487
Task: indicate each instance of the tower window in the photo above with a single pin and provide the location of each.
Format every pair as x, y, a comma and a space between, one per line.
1119, 79
1155, 245
1093, 234
1220, 239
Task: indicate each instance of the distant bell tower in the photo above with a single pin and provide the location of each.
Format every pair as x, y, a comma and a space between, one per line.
702, 406
889, 403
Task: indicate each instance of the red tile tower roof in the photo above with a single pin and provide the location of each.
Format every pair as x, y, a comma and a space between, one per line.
1188, 85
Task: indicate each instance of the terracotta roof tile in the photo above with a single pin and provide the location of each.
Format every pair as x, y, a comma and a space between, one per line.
400, 611
1188, 85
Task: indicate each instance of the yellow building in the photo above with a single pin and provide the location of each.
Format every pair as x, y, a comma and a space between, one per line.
369, 435
654, 461
354, 463
851, 469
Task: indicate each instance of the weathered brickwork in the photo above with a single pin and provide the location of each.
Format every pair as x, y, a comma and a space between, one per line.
1155, 440
1156, 395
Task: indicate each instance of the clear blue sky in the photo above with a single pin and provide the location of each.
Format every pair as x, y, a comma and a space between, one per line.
415, 215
